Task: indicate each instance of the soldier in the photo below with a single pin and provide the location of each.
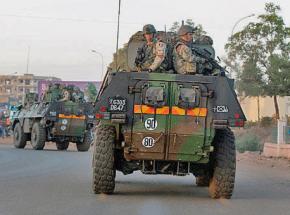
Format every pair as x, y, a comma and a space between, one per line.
184, 60
151, 56
78, 95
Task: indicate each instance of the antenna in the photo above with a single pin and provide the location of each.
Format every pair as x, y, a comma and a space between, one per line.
118, 29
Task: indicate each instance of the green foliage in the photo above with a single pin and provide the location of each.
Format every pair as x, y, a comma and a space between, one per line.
91, 92
248, 142
263, 49
122, 59
266, 121
249, 124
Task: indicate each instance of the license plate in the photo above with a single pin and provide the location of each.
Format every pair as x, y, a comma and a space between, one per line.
117, 104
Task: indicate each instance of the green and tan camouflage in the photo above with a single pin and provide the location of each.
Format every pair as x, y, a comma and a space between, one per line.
164, 123
57, 119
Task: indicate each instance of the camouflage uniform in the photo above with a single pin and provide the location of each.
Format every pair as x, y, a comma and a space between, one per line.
184, 61
151, 56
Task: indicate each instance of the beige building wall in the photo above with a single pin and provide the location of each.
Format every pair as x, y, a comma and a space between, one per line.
16, 86
250, 107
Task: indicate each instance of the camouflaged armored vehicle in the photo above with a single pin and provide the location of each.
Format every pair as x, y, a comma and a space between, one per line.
171, 124
62, 117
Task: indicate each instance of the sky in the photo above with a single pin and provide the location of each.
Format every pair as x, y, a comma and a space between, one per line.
56, 36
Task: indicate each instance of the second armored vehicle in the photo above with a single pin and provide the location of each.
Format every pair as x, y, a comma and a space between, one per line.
62, 117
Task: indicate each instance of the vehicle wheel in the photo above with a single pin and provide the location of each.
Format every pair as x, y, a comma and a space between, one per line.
104, 171
62, 145
223, 165
38, 136
202, 180
19, 137
85, 145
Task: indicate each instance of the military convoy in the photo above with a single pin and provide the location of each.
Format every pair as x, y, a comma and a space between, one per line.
166, 123
62, 116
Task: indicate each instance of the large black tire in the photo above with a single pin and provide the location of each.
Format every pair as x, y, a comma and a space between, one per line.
202, 180
86, 144
19, 137
61, 146
223, 165
38, 136
104, 171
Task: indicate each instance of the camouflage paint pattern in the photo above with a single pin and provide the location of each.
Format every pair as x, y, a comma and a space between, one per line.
67, 119
184, 135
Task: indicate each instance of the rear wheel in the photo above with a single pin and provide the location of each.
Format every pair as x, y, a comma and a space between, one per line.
62, 145
223, 165
104, 171
19, 137
85, 145
38, 136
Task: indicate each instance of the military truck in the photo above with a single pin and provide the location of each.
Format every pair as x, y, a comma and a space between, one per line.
164, 123
61, 117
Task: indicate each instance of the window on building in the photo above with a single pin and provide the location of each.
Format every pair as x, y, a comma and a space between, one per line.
27, 82
7, 82
8, 90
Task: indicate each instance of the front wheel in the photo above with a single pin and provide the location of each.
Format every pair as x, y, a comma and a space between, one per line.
38, 136
222, 181
104, 171
19, 137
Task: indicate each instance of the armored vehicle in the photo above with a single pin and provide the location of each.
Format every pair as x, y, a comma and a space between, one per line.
168, 123
62, 117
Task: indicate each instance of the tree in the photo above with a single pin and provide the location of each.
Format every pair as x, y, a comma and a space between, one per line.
91, 92
263, 48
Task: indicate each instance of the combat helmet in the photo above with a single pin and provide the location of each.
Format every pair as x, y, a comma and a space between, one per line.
184, 29
149, 29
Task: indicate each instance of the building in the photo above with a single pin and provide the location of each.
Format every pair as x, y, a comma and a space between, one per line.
14, 87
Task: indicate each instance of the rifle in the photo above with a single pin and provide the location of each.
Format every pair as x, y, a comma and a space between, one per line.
207, 56
139, 60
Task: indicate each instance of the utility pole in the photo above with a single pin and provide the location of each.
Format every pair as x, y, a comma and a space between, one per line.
102, 58
28, 60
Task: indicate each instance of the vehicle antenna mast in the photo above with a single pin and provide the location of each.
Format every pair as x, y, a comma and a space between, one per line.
118, 29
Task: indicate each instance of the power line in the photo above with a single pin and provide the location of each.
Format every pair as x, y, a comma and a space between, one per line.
68, 19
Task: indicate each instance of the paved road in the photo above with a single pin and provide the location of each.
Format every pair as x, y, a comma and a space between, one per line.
52, 182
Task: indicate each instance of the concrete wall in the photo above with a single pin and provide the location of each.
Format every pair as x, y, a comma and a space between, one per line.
277, 150
250, 107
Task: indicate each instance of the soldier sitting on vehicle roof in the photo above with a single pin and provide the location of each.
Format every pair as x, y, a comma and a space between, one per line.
151, 56
77, 95
184, 60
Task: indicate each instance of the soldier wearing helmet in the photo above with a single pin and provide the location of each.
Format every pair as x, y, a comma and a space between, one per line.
151, 56
184, 60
